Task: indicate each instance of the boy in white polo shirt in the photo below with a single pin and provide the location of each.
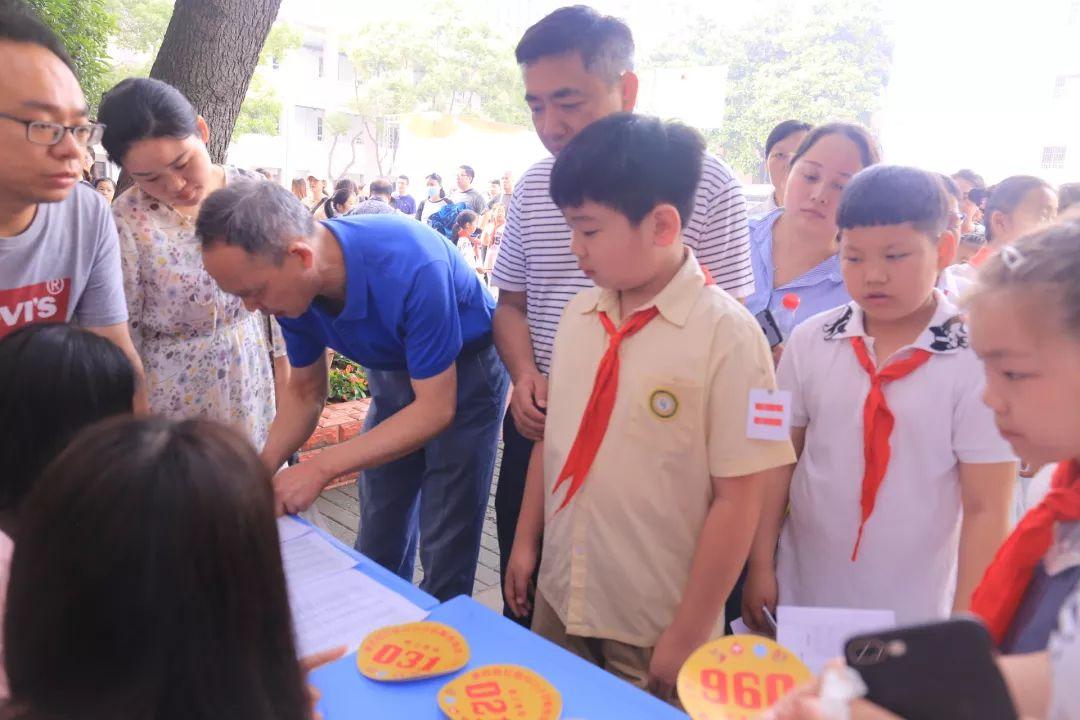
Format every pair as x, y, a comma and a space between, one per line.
646, 487
902, 490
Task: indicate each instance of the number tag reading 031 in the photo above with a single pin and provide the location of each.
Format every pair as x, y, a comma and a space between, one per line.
737, 678
500, 691
412, 651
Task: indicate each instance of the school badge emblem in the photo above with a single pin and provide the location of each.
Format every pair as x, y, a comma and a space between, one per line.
663, 404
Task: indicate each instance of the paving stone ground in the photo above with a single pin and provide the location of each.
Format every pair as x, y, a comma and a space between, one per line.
340, 509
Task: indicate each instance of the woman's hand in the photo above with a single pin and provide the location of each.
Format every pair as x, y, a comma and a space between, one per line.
311, 662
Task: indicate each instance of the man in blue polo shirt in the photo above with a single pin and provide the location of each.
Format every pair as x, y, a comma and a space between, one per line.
396, 297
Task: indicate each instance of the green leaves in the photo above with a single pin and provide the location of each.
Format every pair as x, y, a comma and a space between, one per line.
830, 62
261, 111
347, 380
85, 27
141, 24
428, 64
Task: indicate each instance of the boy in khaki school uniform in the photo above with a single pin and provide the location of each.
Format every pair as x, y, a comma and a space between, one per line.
647, 488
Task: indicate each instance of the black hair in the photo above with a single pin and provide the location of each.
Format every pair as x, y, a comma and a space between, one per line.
345, 184
438, 179
381, 186
147, 581
1007, 195
951, 187
463, 218
103, 179
20, 24
783, 131
403, 177
57, 380
495, 182
142, 108
1068, 196
605, 43
339, 198
869, 150
630, 163
468, 171
971, 177
894, 195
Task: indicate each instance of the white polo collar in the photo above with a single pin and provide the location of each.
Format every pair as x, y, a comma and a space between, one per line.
946, 333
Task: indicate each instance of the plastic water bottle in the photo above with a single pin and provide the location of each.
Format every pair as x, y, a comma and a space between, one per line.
786, 317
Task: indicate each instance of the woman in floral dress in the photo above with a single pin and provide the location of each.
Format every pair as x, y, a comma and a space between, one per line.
205, 354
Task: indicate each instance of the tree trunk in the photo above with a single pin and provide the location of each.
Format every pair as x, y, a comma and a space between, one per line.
209, 53
374, 135
330, 159
356, 139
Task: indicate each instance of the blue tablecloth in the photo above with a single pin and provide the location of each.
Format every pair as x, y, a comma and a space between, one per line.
588, 692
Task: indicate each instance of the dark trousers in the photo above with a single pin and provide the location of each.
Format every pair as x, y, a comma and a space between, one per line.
437, 496
515, 464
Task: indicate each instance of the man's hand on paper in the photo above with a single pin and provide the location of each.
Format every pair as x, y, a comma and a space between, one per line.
297, 487
309, 663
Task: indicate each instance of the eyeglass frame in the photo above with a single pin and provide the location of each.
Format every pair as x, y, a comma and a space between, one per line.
97, 131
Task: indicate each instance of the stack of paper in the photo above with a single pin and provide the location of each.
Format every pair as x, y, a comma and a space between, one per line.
817, 635
333, 603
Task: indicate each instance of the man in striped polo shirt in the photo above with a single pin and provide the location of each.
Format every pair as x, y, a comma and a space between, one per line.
578, 68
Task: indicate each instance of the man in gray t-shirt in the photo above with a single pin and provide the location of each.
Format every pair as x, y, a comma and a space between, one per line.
59, 254
466, 193
64, 266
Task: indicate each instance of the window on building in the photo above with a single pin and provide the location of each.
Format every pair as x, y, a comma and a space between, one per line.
345, 71
1059, 86
1053, 157
1074, 13
321, 70
388, 137
309, 123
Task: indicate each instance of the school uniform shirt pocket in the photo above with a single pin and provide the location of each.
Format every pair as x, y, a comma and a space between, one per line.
665, 415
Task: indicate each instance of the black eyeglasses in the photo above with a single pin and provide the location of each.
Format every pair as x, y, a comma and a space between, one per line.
46, 133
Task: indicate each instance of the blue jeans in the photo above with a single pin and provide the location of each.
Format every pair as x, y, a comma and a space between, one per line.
438, 495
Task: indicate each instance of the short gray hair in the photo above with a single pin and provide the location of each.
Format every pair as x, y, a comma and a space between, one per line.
258, 216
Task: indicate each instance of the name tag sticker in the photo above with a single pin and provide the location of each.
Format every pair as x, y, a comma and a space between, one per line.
768, 415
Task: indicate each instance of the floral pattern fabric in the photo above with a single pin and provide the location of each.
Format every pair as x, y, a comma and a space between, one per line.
204, 354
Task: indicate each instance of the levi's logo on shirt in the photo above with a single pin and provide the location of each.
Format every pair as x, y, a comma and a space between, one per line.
43, 302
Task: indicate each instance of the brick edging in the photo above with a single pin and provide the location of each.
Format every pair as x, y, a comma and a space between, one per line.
339, 422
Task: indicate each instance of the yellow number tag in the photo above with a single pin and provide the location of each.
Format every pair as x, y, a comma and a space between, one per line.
737, 678
500, 691
412, 651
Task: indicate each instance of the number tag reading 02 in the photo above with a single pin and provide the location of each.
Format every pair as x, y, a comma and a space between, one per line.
412, 651
737, 678
500, 691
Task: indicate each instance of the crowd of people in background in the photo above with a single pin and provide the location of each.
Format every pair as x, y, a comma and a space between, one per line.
465, 207
614, 318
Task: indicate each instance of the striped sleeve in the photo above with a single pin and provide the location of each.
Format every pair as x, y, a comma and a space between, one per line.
723, 240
